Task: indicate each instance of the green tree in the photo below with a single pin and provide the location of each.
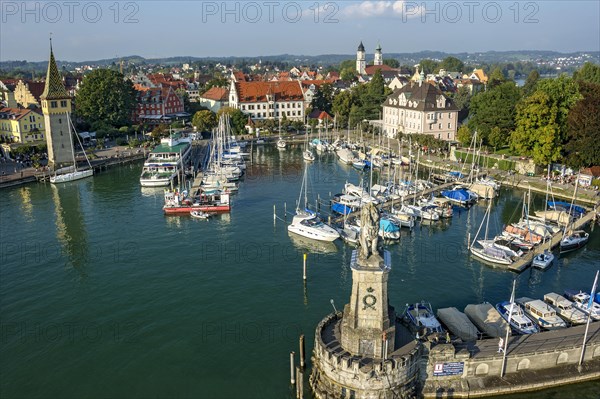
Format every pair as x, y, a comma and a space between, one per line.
106, 96
391, 62
237, 117
494, 107
341, 107
531, 83
462, 98
496, 78
429, 66
496, 138
348, 74
347, 64
564, 94
204, 121
582, 146
323, 98
464, 136
452, 64
538, 132
588, 73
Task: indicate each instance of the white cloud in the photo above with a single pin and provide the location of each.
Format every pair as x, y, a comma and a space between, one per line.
367, 9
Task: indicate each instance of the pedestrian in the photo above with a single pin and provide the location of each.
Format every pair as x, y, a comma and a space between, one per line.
447, 337
500, 345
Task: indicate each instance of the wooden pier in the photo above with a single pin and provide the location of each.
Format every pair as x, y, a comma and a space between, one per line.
524, 262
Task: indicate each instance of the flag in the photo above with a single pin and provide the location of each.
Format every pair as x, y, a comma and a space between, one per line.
593, 293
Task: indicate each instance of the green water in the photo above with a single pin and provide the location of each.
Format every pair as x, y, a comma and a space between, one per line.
102, 296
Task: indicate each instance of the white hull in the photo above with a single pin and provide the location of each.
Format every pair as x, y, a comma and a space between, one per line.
72, 176
480, 253
160, 182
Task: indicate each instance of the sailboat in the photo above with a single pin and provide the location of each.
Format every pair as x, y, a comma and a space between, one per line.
490, 253
281, 144
308, 154
307, 223
573, 240
75, 174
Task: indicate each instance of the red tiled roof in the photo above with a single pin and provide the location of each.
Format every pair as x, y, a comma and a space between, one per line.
592, 171
257, 91
216, 94
35, 88
371, 69
307, 83
324, 115
17, 112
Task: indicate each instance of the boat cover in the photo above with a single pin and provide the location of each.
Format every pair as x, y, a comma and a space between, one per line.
487, 319
458, 323
340, 208
456, 174
460, 195
566, 206
387, 226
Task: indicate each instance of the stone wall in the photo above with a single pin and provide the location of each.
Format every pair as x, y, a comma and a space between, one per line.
553, 363
337, 373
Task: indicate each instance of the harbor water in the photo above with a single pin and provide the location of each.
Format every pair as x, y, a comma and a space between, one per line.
103, 296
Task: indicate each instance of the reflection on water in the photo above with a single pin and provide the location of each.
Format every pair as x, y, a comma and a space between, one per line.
26, 206
70, 224
312, 246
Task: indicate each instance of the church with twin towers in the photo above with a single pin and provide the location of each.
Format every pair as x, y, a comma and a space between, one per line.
361, 58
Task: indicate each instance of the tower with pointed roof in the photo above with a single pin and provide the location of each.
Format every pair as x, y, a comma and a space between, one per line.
361, 59
56, 107
378, 56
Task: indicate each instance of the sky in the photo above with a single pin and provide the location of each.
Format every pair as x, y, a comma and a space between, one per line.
93, 30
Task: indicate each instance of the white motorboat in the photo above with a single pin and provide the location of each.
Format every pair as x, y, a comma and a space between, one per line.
281, 144
311, 226
543, 260
199, 215
574, 240
308, 156
345, 155
518, 321
420, 315
581, 300
565, 309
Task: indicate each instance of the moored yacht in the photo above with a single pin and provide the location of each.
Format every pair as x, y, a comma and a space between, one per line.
565, 309
310, 225
519, 323
542, 313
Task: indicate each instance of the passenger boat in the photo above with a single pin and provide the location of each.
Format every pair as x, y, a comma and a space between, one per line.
542, 313
166, 161
543, 260
519, 323
581, 300
420, 315
565, 309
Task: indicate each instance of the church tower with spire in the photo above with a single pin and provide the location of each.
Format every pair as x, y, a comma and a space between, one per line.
361, 59
56, 107
378, 56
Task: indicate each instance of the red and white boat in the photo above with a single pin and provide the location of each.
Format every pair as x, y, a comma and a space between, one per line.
180, 203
